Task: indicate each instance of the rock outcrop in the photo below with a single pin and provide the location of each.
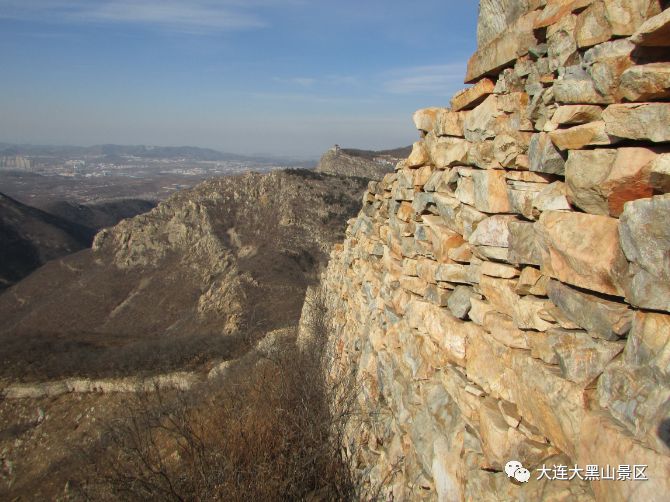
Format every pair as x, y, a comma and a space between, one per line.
358, 163
503, 295
188, 283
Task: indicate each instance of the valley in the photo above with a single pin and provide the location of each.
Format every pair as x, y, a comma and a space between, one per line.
169, 301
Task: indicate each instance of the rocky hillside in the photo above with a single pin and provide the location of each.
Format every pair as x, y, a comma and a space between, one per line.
31, 237
190, 283
360, 163
504, 294
98, 215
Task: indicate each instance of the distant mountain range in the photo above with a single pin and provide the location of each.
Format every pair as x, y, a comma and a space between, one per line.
141, 151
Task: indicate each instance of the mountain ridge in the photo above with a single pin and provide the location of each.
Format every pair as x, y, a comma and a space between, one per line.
141, 151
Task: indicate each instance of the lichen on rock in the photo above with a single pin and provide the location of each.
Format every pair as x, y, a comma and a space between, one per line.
513, 303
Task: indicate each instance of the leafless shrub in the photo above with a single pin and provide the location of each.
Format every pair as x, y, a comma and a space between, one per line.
272, 430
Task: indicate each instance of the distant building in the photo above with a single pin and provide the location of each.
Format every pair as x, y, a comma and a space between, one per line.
15, 162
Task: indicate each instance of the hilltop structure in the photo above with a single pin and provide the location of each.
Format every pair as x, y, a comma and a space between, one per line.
356, 163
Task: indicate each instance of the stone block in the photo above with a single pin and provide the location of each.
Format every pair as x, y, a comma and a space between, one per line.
544, 156
501, 270
532, 282
604, 443
555, 10
605, 64
580, 136
506, 150
592, 26
472, 96
577, 87
601, 181
449, 151
602, 318
576, 114
424, 119
582, 250
493, 231
465, 190
449, 123
480, 123
459, 301
654, 32
626, 16
645, 239
643, 121
660, 173
523, 244
490, 191
562, 46
419, 156
502, 50
504, 330
582, 358
501, 442
647, 82
551, 198
525, 311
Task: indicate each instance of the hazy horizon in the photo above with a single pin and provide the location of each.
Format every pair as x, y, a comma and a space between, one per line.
255, 77
259, 154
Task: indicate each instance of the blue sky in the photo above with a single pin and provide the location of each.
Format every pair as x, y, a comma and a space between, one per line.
286, 77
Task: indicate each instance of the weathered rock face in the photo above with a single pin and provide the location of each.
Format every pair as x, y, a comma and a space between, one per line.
357, 163
231, 253
504, 295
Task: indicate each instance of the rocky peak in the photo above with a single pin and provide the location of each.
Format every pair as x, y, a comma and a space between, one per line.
358, 163
185, 283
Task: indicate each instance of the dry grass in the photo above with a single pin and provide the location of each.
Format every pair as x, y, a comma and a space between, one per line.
272, 430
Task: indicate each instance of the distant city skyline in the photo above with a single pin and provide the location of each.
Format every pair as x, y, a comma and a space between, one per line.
274, 77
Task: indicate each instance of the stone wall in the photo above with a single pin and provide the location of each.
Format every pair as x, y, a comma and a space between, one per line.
505, 294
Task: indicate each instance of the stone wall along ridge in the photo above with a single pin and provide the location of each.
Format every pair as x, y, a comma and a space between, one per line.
505, 293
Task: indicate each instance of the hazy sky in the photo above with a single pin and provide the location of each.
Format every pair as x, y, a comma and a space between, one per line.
288, 77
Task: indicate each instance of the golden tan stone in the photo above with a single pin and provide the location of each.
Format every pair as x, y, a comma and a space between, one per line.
593, 27
583, 250
577, 137
646, 82
654, 32
419, 156
532, 282
642, 121
626, 16
555, 10
502, 50
449, 123
405, 212
500, 442
503, 328
472, 96
490, 191
601, 181
424, 119
576, 114
604, 443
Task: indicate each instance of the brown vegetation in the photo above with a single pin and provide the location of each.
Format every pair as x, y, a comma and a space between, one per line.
271, 430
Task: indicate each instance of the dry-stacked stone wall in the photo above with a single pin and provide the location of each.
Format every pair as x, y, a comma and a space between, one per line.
505, 293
